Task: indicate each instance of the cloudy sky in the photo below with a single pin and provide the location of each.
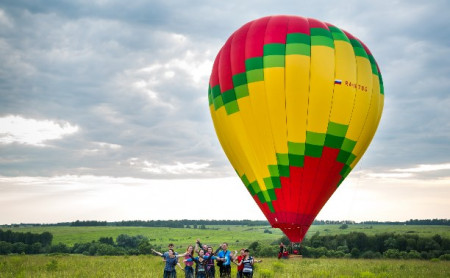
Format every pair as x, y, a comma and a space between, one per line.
104, 112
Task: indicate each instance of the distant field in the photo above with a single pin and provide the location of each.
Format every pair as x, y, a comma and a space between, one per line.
236, 236
151, 266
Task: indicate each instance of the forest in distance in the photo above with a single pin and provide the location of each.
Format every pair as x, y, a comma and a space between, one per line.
185, 223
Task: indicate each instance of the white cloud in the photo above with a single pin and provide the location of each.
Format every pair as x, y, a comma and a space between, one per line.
177, 168
16, 129
424, 168
408, 173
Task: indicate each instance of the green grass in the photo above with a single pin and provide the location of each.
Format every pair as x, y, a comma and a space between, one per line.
151, 266
236, 236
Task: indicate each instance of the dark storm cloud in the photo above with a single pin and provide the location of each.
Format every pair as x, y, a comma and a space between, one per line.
133, 78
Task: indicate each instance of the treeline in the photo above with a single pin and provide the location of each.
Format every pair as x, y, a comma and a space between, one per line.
439, 222
386, 245
170, 223
185, 223
29, 243
79, 223
352, 245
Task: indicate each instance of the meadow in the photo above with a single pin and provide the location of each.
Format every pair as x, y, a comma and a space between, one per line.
236, 236
151, 266
75, 265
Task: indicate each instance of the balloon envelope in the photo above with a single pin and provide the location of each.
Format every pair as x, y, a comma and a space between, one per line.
295, 103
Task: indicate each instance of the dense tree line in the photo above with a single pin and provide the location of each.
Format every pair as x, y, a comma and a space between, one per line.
29, 243
440, 222
190, 223
360, 245
44, 238
79, 223
123, 245
351, 245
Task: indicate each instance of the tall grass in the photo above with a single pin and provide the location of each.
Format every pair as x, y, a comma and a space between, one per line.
151, 266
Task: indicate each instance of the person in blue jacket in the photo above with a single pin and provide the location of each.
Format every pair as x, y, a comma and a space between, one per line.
224, 261
171, 261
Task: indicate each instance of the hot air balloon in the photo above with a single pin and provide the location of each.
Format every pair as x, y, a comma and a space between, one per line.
295, 103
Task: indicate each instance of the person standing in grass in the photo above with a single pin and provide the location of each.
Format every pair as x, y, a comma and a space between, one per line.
188, 269
281, 252
224, 261
240, 267
210, 268
247, 263
200, 263
171, 261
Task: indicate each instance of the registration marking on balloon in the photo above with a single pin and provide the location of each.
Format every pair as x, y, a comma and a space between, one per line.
295, 103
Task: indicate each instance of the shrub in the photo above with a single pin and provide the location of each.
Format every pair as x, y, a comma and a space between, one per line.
445, 257
413, 254
370, 255
355, 252
335, 254
52, 265
392, 254
5, 248
267, 251
343, 248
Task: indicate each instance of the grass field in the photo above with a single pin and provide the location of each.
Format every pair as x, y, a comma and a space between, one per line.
236, 236
151, 266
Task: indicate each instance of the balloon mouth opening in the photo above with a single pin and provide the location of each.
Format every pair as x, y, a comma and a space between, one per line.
294, 232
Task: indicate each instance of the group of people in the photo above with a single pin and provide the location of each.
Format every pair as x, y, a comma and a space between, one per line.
204, 257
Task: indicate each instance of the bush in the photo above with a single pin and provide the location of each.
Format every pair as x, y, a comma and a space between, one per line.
445, 257
5, 248
343, 248
19, 247
371, 255
413, 254
335, 254
59, 248
392, 254
355, 252
52, 265
268, 251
